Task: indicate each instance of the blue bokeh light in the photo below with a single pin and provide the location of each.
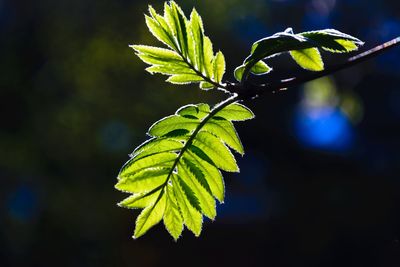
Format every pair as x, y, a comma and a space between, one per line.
323, 128
22, 204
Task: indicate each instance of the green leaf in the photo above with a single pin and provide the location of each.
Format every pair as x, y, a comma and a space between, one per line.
183, 157
219, 67
171, 22
208, 54
260, 68
206, 86
159, 32
150, 216
217, 151
349, 46
157, 52
195, 180
225, 131
139, 201
155, 146
333, 41
184, 79
235, 112
173, 220
238, 73
191, 216
180, 22
170, 123
170, 70
277, 43
133, 166
198, 111
309, 59
211, 173
198, 38
197, 173
143, 181
190, 57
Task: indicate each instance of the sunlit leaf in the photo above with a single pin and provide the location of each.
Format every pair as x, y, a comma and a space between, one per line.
182, 160
173, 220
150, 216
260, 68
184, 79
219, 67
189, 57
309, 59
235, 112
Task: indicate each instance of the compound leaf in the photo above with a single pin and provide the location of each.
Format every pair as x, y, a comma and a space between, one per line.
178, 168
303, 48
189, 57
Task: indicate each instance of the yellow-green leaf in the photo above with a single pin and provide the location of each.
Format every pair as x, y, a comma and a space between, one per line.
184, 79
173, 220
235, 112
150, 216
191, 216
216, 151
309, 59
195, 179
219, 67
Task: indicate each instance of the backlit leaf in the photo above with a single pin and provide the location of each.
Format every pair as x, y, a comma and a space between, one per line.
150, 216
219, 67
168, 124
173, 220
184, 79
309, 59
235, 112
191, 216
189, 57
217, 151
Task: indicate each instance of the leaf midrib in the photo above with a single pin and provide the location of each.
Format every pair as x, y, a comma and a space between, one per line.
222, 105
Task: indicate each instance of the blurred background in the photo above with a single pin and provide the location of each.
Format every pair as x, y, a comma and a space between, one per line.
319, 184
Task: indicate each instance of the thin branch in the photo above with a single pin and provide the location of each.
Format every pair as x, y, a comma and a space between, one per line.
295, 81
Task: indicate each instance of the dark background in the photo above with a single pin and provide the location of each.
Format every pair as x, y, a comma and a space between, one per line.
319, 184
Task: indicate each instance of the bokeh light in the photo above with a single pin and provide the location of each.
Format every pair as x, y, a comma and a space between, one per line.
323, 117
